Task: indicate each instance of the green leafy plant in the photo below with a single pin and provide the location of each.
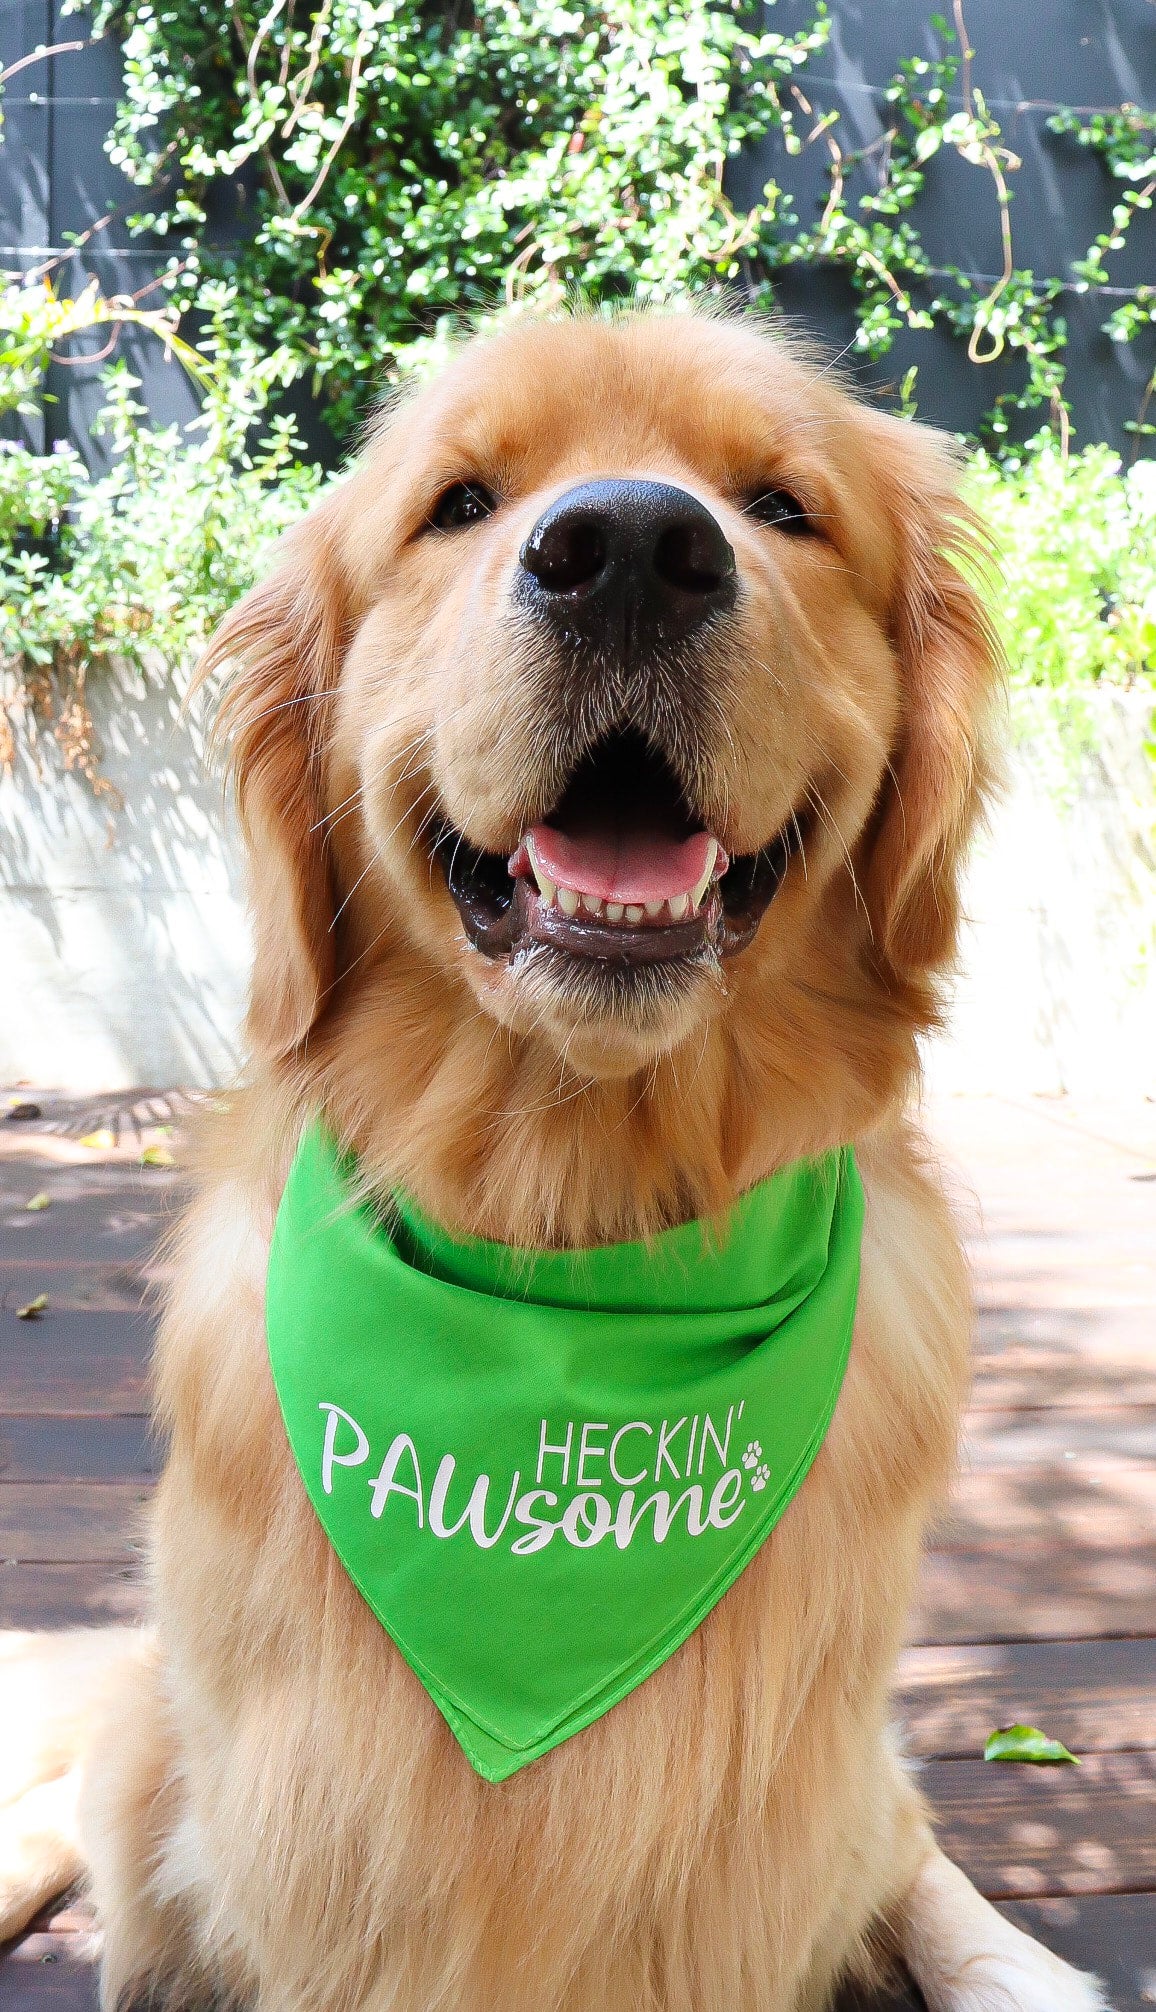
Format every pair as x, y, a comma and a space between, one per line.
407, 165
1076, 538
137, 564
397, 166
388, 171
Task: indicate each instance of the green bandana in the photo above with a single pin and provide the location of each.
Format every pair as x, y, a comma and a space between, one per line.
543, 1469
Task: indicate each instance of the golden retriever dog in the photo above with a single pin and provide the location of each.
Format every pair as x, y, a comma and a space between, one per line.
645, 582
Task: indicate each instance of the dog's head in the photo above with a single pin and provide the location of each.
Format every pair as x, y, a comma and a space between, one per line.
627, 694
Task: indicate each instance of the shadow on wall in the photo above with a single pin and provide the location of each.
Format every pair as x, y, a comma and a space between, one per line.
125, 934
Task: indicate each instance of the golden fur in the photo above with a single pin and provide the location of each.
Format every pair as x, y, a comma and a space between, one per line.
277, 1811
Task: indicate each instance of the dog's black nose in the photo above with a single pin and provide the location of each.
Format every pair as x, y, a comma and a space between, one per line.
627, 565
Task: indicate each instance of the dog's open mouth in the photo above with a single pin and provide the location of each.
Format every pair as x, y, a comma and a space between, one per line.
620, 870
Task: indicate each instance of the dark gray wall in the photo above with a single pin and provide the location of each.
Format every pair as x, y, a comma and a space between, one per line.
1030, 55
56, 181
55, 178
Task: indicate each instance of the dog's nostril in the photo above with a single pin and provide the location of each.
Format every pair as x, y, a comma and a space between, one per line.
565, 552
694, 555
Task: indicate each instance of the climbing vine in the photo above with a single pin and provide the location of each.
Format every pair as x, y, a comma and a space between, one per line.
367, 173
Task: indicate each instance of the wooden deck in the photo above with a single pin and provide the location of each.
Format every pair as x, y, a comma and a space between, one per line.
1038, 1599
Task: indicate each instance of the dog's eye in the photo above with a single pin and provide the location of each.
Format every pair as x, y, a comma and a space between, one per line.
779, 508
462, 503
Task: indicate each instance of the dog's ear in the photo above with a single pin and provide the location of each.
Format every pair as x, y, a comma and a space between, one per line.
940, 768
284, 643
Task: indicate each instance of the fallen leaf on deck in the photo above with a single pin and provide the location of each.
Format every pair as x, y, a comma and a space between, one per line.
101, 1142
34, 1308
1026, 1743
21, 1114
38, 1202
157, 1156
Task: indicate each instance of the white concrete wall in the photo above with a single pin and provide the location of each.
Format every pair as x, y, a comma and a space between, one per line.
1057, 990
123, 936
124, 942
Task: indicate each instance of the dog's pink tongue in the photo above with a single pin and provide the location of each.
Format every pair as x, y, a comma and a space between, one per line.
617, 866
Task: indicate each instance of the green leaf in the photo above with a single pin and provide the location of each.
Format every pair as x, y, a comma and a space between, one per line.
1026, 1743
929, 142
38, 1202
34, 1308
157, 1156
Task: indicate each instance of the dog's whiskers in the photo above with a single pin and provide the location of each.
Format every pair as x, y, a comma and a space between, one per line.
815, 795
283, 705
375, 856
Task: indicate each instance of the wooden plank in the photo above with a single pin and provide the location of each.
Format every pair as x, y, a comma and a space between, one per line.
1070, 1595
1027, 1832
92, 1218
1046, 1435
52, 1968
1097, 1508
1086, 1125
1052, 1259
1045, 1157
53, 1972
70, 1362
46, 1974
1111, 1934
78, 1449
64, 1118
69, 1596
71, 1913
70, 1522
1056, 1552
85, 1203
961, 1593
1058, 1576
1080, 1356
1098, 1697
51, 1977
98, 1288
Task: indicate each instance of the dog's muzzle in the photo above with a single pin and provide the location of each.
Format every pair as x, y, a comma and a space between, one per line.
621, 870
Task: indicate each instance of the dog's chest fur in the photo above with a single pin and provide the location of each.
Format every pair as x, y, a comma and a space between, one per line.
694, 1840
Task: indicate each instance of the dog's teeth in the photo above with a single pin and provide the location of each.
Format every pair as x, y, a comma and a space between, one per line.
546, 886
571, 902
696, 898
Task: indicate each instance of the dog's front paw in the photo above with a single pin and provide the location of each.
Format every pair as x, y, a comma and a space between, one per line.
1031, 1981
966, 1957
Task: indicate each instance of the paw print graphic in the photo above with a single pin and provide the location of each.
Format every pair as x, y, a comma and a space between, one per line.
760, 1477
753, 1455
